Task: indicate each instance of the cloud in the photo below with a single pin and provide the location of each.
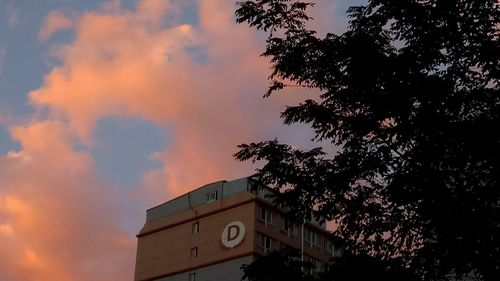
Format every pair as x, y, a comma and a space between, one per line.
126, 65
56, 20
60, 220
329, 16
57, 221
154, 10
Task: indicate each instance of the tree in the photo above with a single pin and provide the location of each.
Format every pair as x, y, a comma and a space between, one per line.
410, 95
286, 265
278, 265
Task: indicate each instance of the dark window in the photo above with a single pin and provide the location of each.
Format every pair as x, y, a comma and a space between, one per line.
195, 228
289, 228
265, 216
264, 242
211, 196
329, 249
194, 252
307, 236
316, 239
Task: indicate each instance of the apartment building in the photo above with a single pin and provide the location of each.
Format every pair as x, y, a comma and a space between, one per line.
210, 232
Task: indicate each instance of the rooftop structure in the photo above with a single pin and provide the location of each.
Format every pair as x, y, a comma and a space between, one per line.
208, 233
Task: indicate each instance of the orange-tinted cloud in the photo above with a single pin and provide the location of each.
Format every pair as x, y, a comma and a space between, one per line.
125, 64
55, 21
58, 222
154, 10
61, 222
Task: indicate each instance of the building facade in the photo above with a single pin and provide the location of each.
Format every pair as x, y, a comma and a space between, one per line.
210, 232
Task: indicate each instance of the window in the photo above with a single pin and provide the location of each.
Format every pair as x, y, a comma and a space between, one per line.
289, 228
307, 236
194, 252
195, 227
261, 191
265, 216
332, 250
316, 239
312, 238
211, 196
192, 276
329, 248
264, 242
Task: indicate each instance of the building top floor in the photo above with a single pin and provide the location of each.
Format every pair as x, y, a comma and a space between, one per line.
210, 193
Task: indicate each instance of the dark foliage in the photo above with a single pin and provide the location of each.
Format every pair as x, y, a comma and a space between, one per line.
366, 268
411, 97
279, 265
286, 265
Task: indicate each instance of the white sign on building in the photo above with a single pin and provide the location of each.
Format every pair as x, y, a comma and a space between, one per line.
233, 234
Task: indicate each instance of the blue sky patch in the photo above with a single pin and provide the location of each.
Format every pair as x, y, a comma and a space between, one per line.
6, 142
123, 147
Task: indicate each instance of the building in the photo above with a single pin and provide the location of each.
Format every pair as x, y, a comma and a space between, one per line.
208, 233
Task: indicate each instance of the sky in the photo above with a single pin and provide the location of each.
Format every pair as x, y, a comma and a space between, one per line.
108, 108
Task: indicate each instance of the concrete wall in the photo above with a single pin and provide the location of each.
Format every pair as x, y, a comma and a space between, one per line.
164, 244
226, 271
196, 198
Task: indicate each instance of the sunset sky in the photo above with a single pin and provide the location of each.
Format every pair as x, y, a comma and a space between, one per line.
108, 108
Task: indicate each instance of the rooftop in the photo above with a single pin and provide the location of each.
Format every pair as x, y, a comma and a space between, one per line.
210, 193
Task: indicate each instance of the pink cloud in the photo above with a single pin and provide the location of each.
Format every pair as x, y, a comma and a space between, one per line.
54, 22
60, 220
154, 10
63, 223
122, 65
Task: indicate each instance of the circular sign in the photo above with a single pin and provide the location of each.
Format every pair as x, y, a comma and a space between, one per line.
233, 234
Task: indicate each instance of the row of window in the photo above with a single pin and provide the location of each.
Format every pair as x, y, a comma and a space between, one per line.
265, 216
195, 228
268, 244
311, 238
265, 243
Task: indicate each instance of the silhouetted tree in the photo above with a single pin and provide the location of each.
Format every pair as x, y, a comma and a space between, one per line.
286, 265
366, 268
278, 265
410, 96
